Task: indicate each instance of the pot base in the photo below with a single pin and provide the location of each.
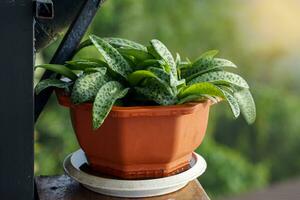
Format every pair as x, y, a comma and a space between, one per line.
75, 166
135, 172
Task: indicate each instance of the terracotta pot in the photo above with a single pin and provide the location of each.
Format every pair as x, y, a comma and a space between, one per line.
140, 142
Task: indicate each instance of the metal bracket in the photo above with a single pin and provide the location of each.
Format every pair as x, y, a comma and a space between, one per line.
43, 9
66, 48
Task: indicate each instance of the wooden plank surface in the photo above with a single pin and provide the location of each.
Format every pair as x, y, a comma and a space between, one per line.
64, 188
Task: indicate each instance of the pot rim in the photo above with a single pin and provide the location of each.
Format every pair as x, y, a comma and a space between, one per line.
131, 111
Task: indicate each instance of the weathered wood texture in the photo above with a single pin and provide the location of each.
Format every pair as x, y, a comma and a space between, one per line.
64, 188
16, 100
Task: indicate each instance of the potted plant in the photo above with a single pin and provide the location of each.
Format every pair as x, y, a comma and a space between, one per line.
139, 113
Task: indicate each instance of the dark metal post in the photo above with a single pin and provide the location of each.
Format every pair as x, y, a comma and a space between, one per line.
70, 42
16, 100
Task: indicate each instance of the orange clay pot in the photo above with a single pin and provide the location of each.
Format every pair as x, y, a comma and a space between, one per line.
140, 142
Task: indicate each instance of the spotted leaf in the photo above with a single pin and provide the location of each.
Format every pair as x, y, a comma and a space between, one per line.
232, 101
115, 42
221, 77
51, 83
166, 55
119, 42
247, 105
113, 58
86, 87
204, 65
157, 92
105, 99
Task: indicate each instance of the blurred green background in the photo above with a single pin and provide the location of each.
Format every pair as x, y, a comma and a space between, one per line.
261, 36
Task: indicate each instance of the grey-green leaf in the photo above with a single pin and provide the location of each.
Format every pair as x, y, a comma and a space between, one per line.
247, 105
113, 58
233, 103
166, 55
86, 87
119, 42
221, 77
51, 83
157, 92
105, 99
115, 42
204, 65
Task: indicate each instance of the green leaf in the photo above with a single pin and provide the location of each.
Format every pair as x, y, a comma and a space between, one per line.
166, 55
157, 92
86, 87
221, 77
113, 58
105, 99
150, 62
97, 69
209, 54
247, 105
82, 64
201, 89
204, 65
177, 59
51, 83
191, 98
136, 77
59, 69
136, 53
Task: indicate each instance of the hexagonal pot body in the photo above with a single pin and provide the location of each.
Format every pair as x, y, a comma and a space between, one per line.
140, 142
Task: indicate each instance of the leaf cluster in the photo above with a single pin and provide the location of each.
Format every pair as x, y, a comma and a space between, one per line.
128, 73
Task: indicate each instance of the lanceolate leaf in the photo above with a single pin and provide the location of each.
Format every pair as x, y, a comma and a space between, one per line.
247, 105
157, 92
161, 74
60, 69
204, 65
136, 53
166, 55
136, 77
221, 77
83, 64
233, 103
209, 54
105, 99
51, 83
191, 98
86, 87
119, 42
115, 42
150, 62
201, 89
113, 58
96, 69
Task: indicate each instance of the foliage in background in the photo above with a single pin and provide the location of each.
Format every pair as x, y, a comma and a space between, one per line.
240, 157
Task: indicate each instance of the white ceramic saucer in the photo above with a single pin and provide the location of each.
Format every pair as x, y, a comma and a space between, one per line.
131, 188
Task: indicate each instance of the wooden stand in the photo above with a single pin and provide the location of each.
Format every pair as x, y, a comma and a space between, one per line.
64, 188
